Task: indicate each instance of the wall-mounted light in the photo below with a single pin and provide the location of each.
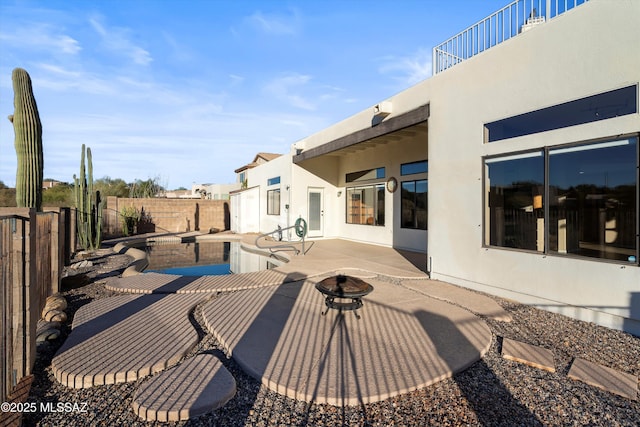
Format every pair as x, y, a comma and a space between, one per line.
392, 185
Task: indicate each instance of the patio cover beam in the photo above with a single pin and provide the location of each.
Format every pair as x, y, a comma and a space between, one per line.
405, 120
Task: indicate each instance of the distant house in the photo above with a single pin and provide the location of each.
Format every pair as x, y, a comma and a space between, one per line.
513, 169
213, 191
180, 194
245, 202
259, 159
50, 183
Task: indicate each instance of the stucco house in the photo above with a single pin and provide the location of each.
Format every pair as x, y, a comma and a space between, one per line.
259, 159
213, 191
513, 169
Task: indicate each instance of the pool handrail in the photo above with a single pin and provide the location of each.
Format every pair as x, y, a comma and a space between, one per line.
279, 230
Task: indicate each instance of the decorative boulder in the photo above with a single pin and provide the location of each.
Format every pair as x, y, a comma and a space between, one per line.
54, 305
55, 316
74, 281
56, 301
46, 331
81, 264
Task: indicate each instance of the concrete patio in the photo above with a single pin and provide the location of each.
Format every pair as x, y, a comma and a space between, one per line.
413, 332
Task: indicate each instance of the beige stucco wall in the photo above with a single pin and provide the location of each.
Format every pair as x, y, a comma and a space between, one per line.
588, 50
551, 64
390, 156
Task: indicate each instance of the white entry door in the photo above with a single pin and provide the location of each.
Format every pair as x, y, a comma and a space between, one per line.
315, 198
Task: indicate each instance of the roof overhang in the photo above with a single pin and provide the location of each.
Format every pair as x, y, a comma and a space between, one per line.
411, 118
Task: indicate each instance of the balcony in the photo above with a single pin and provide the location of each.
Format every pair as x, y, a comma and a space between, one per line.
513, 19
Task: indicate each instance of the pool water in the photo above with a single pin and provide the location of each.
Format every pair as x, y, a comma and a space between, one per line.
207, 258
197, 270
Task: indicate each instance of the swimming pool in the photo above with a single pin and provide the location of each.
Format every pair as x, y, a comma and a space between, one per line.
206, 258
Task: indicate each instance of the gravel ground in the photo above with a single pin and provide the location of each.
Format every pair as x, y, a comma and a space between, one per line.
492, 392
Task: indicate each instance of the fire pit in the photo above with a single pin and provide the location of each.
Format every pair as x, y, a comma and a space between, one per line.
344, 288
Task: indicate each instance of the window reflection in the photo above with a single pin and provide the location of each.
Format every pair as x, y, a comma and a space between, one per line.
365, 205
602, 106
593, 193
414, 204
515, 204
365, 175
273, 202
592, 201
414, 168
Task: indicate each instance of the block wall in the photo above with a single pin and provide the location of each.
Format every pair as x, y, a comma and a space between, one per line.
168, 215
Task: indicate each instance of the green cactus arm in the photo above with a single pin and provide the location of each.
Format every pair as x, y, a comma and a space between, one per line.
28, 142
88, 204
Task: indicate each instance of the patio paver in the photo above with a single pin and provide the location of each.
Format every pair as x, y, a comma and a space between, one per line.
126, 337
198, 385
608, 379
528, 354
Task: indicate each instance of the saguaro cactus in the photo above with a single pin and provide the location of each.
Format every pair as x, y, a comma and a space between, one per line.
28, 142
88, 205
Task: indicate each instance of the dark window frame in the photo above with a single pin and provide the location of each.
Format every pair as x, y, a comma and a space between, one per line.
364, 175
377, 209
602, 106
273, 181
414, 215
514, 217
546, 198
406, 168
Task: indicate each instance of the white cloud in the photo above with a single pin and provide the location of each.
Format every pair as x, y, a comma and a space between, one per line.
59, 79
288, 88
66, 44
59, 71
123, 88
117, 39
408, 70
275, 24
236, 79
178, 51
39, 36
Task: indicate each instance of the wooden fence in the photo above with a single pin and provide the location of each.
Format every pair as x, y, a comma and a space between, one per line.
34, 247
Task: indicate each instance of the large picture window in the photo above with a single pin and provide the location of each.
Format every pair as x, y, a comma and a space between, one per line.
593, 194
365, 204
273, 202
515, 195
591, 208
414, 204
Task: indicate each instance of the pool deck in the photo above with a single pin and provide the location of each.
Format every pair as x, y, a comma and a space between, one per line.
412, 333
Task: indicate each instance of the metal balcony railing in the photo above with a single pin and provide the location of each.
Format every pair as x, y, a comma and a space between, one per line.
513, 19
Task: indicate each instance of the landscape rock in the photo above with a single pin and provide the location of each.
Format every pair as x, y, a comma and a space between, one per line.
84, 254
48, 335
74, 281
81, 265
46, 331
55, 316
55, 302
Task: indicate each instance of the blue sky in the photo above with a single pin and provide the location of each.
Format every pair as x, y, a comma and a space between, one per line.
187, 91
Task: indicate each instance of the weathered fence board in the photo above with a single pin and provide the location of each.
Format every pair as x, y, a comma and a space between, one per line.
34, 248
